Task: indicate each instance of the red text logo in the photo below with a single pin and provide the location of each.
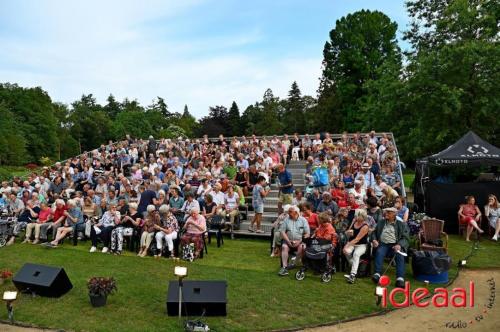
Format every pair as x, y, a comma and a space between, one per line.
422, 297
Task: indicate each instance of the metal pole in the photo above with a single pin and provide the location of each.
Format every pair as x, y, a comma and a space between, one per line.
10, 310
180, 298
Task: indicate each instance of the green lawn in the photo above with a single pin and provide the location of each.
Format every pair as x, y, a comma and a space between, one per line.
257, 298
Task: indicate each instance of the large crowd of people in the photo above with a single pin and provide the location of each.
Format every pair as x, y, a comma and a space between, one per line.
152, 194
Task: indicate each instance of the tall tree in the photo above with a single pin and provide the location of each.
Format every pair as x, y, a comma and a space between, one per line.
187, 122
112, 108
234, 119
453, 72
268, 119
293, 117
216, 123
359, 44
91, 126
68, 145
12, 142
34, 114
161, 106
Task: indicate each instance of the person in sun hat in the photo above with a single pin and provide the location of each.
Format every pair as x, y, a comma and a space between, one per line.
390, 236
366, 176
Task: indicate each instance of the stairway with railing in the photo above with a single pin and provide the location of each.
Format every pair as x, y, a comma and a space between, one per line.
298, 171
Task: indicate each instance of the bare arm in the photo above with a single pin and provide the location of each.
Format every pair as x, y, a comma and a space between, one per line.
362, 232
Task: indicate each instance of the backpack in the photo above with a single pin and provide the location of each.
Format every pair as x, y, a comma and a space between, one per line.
188, 252
363, 268
430, 262
320, 177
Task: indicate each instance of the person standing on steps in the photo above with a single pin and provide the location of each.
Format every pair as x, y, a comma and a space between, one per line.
258, 195
285, 186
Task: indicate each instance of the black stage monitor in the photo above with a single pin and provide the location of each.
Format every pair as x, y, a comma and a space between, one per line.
198, 298
42, 280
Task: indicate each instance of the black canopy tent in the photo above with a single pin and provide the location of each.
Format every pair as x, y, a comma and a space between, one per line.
440, 199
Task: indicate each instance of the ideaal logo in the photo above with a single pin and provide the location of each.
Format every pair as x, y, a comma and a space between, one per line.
478, 317
457, 297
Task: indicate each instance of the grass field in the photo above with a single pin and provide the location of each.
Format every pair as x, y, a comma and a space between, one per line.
257, 298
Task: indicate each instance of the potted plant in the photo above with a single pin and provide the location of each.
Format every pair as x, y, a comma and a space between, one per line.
99, 289
5, 275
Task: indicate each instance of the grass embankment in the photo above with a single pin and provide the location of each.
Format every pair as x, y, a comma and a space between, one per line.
8, 172
257, 298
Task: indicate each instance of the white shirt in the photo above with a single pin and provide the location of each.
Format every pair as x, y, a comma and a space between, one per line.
218, 198
317, 142
268, 163
232, 202
359, 196
202, 190
189, 205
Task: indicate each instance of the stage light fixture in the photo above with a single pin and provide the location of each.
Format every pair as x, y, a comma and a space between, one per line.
181, 272
9, 297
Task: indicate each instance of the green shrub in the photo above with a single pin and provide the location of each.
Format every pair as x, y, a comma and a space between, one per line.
5, 174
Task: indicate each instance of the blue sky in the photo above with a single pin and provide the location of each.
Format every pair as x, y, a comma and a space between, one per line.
195, 52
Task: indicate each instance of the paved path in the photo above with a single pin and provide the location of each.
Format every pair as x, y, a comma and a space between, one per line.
11, 328
435, 319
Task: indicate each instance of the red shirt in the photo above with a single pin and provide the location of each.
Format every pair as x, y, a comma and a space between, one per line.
353, 205
312, 220
326, 232
44, 215
340, 197
58, 213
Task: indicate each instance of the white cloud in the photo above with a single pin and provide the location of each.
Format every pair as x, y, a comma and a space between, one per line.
70, 48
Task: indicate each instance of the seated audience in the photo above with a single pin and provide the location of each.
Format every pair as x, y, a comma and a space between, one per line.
492, 212
357, 241
470, 214
167, 230
293, 230
389, 237
195, 227
102, 230
73, 222
148, 229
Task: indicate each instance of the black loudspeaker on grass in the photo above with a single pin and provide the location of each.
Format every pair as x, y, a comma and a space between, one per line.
198, 298
42, 280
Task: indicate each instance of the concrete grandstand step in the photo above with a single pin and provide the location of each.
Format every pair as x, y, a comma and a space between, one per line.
265, 226
273, 193
267, 217
271, 208
301, 170
294, 163
296, 184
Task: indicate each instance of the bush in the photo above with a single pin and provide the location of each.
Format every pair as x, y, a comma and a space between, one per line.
46, 161
5, 174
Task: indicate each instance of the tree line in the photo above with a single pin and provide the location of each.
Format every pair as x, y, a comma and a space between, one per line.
428, 96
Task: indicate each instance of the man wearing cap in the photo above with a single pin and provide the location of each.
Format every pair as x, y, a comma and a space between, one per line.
390, 236
293, 230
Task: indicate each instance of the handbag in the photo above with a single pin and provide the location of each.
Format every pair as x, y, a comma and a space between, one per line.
216, 222
128, 231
